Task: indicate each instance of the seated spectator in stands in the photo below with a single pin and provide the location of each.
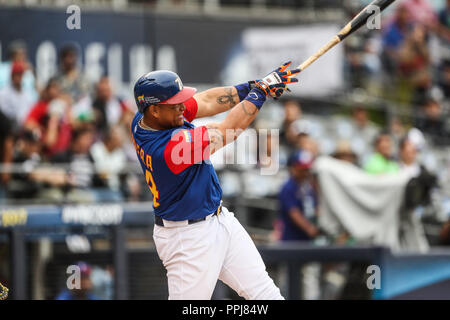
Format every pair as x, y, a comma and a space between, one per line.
81, 176
406, 54
394, 36
292, 113
419, 188
15, 102
51, 116
344, 152
30, 180
444, 76
398, 131
26, 156
306, 142
110, 162
420, 12
17, 53
414, 63
70, 77
443, 25
84, 292
301, 135
105, 109
432, 121
6, 150
298, 200
381, 161
364, 128
408, 157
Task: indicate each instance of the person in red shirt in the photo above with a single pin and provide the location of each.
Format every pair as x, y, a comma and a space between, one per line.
51, 116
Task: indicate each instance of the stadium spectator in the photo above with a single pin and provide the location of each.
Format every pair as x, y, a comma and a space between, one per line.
432, 121
51, 116
406, 55
105, 109
14, 101
70, 77
362, 125
81, 176
398, 131
344, 152
422, 182
110, 161
103, 282
26, 155
298, 215
443, 17
31, 180
298, 200
301, 134
381, 161
85, 290
444, 77
394, 36
420, 12
292, 113
408, 157
6, 151
414, 64
17, 53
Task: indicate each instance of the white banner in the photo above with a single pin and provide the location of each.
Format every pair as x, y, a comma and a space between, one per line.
267, 48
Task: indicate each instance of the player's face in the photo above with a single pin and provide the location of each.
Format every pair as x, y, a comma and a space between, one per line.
172, 115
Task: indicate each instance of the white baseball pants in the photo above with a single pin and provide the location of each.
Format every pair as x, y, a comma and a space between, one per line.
196, 255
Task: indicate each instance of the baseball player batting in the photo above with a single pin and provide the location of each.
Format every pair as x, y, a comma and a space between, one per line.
197, 239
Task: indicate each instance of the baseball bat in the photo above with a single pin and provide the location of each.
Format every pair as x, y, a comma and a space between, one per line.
351, 27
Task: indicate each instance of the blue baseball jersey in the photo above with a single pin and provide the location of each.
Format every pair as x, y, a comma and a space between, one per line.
301, 196
177, 169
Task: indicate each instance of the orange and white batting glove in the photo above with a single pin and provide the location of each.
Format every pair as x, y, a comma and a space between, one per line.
274, 84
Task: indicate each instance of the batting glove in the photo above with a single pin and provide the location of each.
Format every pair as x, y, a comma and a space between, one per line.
274, 84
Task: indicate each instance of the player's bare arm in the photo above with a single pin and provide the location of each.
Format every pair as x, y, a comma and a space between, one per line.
216, 100
299, 219
242, 115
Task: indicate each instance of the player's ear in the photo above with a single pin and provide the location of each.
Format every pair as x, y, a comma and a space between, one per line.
153, 110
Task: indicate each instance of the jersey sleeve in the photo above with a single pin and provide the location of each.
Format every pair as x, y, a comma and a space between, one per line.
191, 109
187, 147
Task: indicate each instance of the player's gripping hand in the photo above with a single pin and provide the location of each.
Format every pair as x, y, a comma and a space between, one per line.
274, 84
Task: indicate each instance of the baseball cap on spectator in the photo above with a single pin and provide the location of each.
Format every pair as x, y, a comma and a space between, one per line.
17, 67
344, 151
301, 159
85, 269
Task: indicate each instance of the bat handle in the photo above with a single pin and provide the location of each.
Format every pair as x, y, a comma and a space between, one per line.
319, 53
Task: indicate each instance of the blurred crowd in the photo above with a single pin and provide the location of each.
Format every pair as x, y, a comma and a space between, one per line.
80, 128
407, 63
68, 140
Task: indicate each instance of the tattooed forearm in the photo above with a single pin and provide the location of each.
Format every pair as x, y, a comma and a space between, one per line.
215, 137
229, 98
249, 110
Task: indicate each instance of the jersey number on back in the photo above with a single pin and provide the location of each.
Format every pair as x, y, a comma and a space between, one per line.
152, 187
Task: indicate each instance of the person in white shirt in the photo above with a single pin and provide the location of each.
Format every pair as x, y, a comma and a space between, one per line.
110, 159
15, 102
408, 157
